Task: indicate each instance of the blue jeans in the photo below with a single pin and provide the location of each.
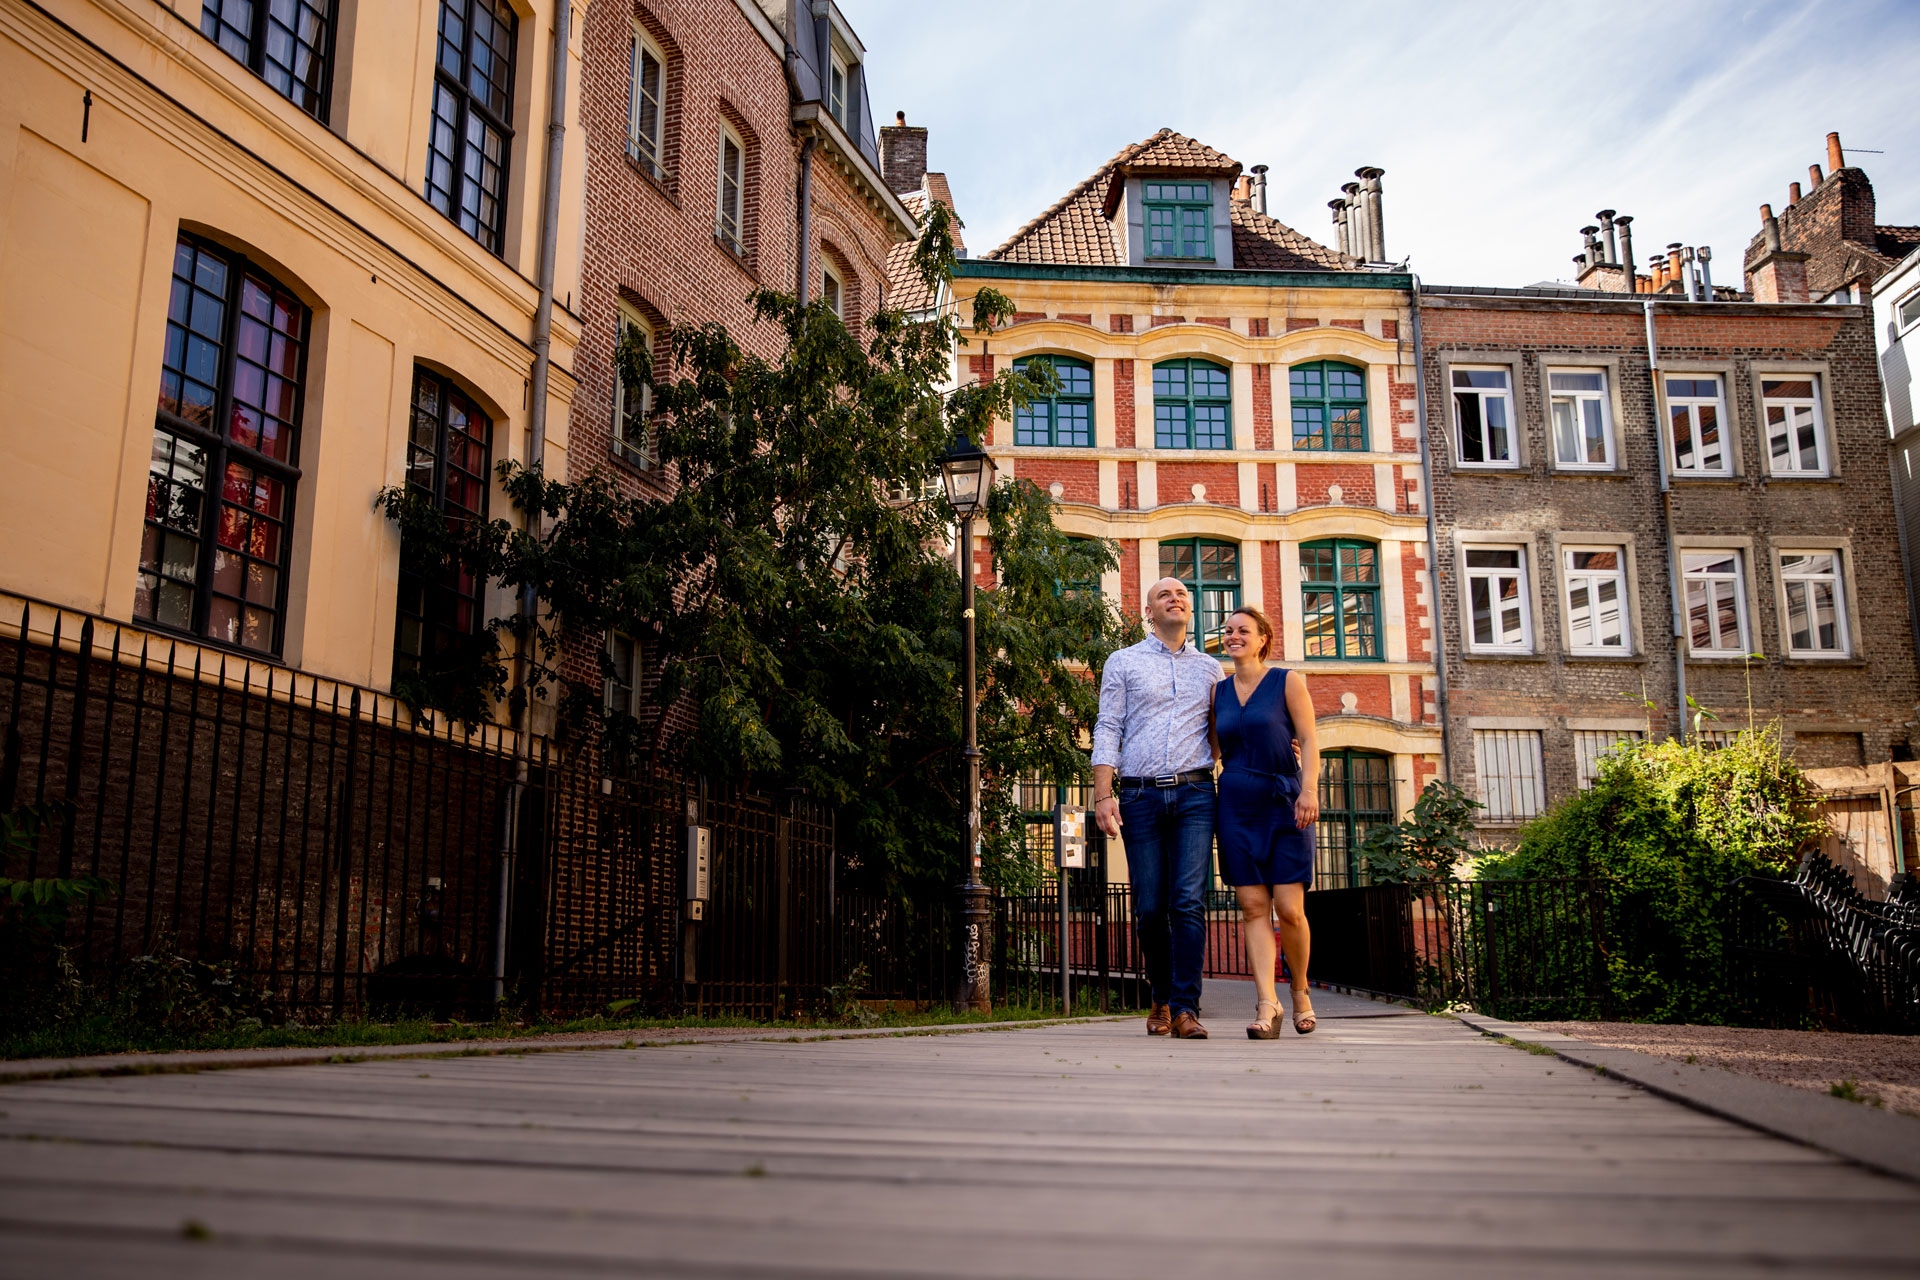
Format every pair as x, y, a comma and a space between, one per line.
1169, 837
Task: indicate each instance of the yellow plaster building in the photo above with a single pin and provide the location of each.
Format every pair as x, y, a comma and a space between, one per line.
250, 275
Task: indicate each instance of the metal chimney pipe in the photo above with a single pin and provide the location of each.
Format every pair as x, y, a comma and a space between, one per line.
1590, 238
1376, 215
1339, 208
1836, 158
1356, 221
1705, 256
1623, 223
1606, 230
1692, 285
1260, 187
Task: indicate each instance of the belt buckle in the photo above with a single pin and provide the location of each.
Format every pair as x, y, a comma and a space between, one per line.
1167, 780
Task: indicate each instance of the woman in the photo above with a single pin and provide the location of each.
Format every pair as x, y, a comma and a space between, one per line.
1266, 817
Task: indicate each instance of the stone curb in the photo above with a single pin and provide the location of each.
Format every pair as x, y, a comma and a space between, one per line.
190, 1060
1884, 1141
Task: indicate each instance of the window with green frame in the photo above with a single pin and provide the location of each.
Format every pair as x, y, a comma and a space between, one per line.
1329, 405
1356, 795
1081, 586
1179, 219
1340, 598
1192, 405
1064, 419
1211, 572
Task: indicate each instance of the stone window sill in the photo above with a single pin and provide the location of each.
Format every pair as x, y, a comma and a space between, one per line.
1472, 656
736, 256
1604, 659
657, 181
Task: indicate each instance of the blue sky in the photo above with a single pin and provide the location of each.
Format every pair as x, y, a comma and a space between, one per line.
1502, 127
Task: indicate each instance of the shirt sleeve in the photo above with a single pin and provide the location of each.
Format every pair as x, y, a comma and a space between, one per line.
1113, 713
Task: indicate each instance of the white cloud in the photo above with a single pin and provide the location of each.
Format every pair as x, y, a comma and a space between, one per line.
1502, 127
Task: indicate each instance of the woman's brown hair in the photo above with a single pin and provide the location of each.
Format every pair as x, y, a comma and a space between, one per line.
1266, 629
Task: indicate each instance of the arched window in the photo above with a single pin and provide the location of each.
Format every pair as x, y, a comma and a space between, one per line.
1064, 419
1192, 405
449, 448
1211, 572
1356, 795
225, 464
1340, 598
632, 435
1329, 405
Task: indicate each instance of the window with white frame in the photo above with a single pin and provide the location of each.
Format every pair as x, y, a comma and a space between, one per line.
832, 291
620, 687
1497, 600
837, 78
647, 105
1795, 443
632, 438
730, 202
1591, 746
1596, 579
1483, 412
1909, 310
1716, 603
1816, 604
1581, 435
1696, 417
1507, 762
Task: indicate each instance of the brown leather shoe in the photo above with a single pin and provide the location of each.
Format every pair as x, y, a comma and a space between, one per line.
1187, 1027
1159, 1021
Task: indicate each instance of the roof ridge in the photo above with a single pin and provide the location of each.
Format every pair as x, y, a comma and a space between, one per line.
1120, 157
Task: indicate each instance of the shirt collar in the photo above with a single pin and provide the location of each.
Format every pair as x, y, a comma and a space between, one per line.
1154, 642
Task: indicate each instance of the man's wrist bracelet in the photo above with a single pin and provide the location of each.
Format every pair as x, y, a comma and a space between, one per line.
1104, 798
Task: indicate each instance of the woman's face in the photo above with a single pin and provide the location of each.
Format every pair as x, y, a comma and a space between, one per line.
1242, 637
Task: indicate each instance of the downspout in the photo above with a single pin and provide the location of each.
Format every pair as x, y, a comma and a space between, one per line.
806, 216
1433, 534
536, 457
1666, 518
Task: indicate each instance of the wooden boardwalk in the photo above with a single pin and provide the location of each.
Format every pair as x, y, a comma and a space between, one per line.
1398, 1145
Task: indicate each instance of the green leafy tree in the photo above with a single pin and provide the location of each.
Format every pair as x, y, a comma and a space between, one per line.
792, 588
1427, 844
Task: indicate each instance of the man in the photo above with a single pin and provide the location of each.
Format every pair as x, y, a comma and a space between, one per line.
1153, 779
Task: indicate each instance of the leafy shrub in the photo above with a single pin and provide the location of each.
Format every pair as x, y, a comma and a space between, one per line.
1668, 826
1428, 843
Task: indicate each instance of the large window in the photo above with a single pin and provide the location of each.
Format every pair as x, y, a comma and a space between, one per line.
449, 446
1065, 418
472, 117
1581, 438
1192, 405
1596, 579
647, 106
620, 686
632, 435
1329, 406
287, 43
730, 215
1696, 411
220, 487
1179, 218
1816, 605
1497, 600
1211, 572
1716, 604
1512, 785
1356, 795
1796, 445
1340, 599
1483, 412
832, 291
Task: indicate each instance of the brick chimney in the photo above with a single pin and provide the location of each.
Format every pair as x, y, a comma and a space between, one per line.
903, 155
1777, 274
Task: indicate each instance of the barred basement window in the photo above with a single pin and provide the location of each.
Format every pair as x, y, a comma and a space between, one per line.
1590, 746
1064, 419
1796, 444
214, 563
1340, 599
1356, 795
1192, 405
287, 43
472, 117
1179, 218
647, 105
1508, 764
1695, 411
1211, 573
449, 448
1329, 406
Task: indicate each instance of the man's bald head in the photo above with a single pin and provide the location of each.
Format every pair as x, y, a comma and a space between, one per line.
1169, 610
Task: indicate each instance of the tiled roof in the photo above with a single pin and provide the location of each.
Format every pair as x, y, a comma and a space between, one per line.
1897, 242
906, 290
943, 194
1077, 231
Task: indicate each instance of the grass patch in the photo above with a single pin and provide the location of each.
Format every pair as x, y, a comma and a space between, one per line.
1538, 1050
1849, 1090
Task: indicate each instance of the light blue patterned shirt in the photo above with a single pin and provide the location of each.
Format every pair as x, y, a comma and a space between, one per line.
1153, 709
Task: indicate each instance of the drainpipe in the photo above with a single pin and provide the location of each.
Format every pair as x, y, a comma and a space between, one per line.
1676, 590
536, 456
1433, 533
806, 216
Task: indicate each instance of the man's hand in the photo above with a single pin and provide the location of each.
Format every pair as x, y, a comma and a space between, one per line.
1106, 812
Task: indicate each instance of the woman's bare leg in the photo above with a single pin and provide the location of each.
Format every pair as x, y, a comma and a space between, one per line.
1256, 926
1290, 908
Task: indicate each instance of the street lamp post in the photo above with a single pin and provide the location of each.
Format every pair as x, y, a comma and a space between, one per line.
967, 473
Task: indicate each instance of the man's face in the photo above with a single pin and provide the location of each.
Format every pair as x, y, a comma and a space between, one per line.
1168, 602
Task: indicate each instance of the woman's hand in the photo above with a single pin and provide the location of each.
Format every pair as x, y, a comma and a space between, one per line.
1306, 810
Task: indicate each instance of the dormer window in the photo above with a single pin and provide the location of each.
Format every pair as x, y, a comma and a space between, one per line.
837, 90
1179, 218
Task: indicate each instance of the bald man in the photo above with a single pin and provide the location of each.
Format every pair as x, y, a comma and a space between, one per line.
1153, 780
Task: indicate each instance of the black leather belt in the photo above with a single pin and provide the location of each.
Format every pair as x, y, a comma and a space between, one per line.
1170, 779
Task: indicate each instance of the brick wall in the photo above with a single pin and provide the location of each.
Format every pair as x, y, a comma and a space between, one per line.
1263, 406
1078, 481
1311, 483
1123, 403
1176, 481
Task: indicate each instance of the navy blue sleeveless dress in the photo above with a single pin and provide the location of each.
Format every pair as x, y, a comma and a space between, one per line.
1258, 841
